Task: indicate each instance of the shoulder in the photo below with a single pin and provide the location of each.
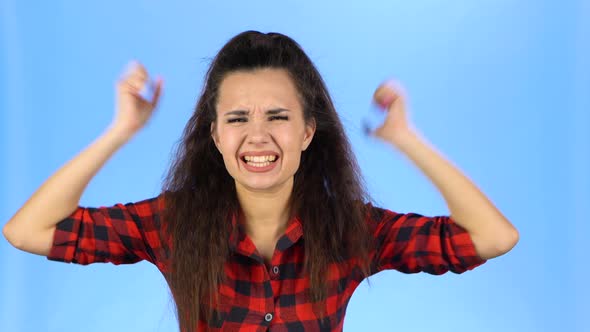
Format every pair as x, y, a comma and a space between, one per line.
376, 215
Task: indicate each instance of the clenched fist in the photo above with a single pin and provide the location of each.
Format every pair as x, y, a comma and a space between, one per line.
133, 110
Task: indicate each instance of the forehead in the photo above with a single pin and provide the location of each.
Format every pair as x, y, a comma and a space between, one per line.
261, 88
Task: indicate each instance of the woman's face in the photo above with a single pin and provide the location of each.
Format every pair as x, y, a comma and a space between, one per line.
260, 130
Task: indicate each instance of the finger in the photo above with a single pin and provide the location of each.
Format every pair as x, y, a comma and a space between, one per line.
136, 75
158, 91
135, 68
127, 86
124, 87
386, 101
390, 94
138, 82
376, 133
384, 96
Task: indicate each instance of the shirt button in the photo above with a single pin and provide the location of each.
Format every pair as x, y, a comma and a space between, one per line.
268, 317
275, 269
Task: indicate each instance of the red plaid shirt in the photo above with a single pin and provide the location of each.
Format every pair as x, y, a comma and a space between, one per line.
257, 297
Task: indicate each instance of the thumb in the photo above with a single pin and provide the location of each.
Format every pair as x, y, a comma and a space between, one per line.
159, 85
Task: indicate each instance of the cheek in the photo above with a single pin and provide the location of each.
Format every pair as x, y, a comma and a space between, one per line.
291, 145
228, 145
291, 141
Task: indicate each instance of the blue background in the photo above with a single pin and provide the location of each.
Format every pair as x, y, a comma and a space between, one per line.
501, 88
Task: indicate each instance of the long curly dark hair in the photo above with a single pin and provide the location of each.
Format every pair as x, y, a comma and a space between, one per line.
328, 193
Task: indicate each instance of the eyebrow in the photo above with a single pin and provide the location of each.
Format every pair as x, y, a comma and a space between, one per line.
270, 112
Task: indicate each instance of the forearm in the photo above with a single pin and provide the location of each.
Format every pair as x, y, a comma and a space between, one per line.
492, 233
60, 194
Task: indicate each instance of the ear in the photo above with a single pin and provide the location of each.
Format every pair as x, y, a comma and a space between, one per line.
214, 135
309, 132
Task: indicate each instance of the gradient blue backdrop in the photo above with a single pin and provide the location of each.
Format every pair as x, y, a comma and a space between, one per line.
499, 87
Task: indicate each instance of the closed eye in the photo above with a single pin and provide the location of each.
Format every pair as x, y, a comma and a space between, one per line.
271, 118
236, 120
279, 117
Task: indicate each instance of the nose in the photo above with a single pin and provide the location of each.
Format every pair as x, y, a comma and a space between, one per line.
258, 132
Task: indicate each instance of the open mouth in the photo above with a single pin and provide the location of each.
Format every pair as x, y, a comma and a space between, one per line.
260, 161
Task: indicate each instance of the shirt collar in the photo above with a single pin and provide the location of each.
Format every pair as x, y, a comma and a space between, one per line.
241, 243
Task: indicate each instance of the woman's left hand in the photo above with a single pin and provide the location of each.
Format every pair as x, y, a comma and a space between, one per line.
391, 98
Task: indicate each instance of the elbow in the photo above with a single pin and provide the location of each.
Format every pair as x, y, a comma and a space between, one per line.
509, 241
10, 235
499, 245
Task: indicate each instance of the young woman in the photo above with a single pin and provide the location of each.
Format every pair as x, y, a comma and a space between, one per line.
263, 220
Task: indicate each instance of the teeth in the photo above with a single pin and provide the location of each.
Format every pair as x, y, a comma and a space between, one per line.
260, 159
259, 164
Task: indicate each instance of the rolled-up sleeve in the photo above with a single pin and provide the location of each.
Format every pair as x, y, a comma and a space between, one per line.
411, 243
118, 234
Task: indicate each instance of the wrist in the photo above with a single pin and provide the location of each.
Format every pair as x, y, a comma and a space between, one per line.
403, 139
119, 134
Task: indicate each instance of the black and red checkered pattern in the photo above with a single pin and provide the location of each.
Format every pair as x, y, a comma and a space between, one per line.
259, 296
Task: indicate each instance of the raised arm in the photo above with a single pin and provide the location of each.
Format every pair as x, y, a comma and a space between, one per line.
32, 227
492, 234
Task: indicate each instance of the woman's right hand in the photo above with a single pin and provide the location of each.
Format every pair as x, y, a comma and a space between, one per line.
133, 111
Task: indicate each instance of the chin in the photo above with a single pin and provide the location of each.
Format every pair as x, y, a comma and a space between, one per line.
260, 185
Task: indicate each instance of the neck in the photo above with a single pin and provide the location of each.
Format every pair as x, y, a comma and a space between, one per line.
266, 213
